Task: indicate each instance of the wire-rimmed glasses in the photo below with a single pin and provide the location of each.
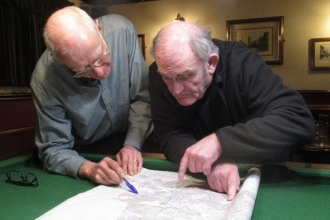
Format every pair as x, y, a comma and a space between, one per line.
99, 61
16, 177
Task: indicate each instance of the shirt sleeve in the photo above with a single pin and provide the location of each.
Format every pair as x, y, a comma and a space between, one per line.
53, 135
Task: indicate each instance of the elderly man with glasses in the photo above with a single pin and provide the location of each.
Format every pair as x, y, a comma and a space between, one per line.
91, 83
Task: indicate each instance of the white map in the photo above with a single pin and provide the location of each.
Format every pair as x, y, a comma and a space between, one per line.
161, 196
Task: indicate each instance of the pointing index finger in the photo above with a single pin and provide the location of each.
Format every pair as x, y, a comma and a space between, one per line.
233, 186
183, 167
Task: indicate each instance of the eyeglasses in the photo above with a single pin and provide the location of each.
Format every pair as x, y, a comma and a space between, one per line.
99, 61
18, 178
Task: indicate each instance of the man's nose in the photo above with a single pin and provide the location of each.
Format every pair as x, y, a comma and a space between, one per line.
177, 87
98, 70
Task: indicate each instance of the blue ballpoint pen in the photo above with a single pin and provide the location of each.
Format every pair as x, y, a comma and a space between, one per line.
131, 187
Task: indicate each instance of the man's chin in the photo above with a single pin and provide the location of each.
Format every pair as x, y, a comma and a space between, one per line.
103, 76
186, 101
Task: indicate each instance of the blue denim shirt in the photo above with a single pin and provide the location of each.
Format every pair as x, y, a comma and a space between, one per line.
81, 111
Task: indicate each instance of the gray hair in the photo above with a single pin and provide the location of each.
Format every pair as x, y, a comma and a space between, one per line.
51, 34
200, 42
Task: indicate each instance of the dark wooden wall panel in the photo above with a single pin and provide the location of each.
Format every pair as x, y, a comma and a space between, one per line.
15, 114
318, 101
16, 142
17, 121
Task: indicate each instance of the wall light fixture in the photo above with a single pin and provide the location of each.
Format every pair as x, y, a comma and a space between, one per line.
179, 18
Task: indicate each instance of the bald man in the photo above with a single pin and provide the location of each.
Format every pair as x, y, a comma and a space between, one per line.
217, 103
90, 84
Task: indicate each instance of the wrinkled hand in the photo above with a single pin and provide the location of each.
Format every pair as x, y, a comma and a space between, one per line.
106, 172
130, 159
200, 156
224, 177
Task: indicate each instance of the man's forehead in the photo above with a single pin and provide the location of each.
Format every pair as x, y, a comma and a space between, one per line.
177, 62
174, 73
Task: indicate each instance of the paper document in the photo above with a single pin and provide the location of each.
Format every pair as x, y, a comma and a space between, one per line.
161, 196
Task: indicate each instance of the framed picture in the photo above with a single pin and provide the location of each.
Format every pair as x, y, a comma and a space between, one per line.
262, 35
142, 43
320, 53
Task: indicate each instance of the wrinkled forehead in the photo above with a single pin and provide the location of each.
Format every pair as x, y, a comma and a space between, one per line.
176, 60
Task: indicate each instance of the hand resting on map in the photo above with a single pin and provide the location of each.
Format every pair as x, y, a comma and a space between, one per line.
204, 157
130, 159
224, 177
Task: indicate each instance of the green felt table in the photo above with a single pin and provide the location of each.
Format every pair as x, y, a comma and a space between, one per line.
306, 195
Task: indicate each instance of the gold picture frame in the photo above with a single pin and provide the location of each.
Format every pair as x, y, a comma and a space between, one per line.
262, 35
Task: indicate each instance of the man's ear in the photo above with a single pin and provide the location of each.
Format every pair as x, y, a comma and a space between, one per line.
98, 25
213, 62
